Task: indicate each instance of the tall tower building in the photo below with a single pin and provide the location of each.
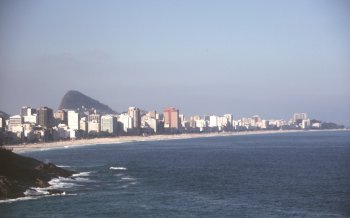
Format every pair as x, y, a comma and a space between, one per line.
73, 120
94, 123
213, 121
2, 123
171, 118
24, 111
45, 116
298, 117
108, 124
134, 112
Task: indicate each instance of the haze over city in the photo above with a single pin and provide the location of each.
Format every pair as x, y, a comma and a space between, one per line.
204, 57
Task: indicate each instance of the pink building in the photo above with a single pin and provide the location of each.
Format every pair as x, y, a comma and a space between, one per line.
171, 118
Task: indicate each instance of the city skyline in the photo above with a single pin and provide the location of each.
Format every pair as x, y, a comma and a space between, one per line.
45, 125
271, 59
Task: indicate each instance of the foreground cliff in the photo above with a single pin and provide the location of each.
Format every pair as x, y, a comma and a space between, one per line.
18, 173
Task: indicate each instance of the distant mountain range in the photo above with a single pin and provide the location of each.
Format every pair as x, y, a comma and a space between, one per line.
75, 100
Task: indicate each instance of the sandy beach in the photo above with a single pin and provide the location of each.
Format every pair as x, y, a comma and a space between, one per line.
125, 139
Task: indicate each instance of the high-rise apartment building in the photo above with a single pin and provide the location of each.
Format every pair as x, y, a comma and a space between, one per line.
126, 122
83, 124
213, 121
2, 123
298, 117
73, 120
94, 123
45, 116
152, 114
108, 124
24, 110
171, 118
15, 123
61, 116
30, 115
134, 112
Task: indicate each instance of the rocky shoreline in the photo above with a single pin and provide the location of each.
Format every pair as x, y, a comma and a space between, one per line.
19, 173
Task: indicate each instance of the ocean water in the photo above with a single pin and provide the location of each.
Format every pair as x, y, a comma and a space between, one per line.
277, 175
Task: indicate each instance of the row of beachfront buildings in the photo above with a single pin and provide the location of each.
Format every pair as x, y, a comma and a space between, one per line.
43, 124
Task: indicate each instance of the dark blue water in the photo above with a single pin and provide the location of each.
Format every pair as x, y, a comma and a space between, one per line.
278, 175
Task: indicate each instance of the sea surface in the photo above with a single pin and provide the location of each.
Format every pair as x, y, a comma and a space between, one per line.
276, 175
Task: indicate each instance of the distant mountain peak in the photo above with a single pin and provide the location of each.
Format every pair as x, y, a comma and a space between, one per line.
74, 100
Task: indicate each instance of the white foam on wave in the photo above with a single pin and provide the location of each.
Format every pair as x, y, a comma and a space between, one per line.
74, 180
18, 199
63, 166
118, 168
61, 182
128, 179
82, 179
81, 174
45, 149
61, 194
33, 191
56, 183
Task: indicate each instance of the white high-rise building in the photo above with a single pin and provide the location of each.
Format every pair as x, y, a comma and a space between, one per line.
2, 123
134, 112
213, 121
15, 124
182, 119
299, 116
108, 124
229, 118
127, 121
201, 124
29, 115
73, 120
222, 122
305, 124
83, 124
151, 123
33, 119
94, 123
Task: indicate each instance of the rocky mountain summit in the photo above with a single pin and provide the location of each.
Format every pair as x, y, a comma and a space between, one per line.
75, 100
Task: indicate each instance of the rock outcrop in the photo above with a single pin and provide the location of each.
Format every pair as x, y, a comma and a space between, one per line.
18, 173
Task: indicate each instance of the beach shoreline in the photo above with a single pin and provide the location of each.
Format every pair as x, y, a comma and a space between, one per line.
22, 148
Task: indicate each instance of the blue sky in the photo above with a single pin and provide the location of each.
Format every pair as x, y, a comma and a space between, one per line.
271, 58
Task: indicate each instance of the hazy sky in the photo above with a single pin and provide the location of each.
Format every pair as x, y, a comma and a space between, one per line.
270, 58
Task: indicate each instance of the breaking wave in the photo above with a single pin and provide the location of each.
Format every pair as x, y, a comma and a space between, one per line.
118, 168
18, 199
63, 166
128, 179
81, 174
60, 183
